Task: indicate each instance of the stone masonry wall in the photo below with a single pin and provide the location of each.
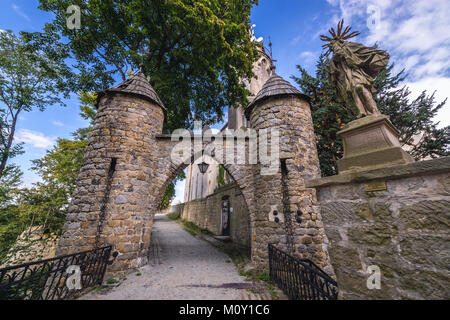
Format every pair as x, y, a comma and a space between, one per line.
114, 204
207, 212
128, 165
292, 116
404, 230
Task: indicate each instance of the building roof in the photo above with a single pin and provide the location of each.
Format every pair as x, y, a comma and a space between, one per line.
136, 85
274, 86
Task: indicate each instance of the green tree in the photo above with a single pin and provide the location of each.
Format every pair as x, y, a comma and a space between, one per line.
221, 176
413, 118
87, 107
10, 226
61, 165
169, 194
33, 74
45, 204
9, 184
195, 52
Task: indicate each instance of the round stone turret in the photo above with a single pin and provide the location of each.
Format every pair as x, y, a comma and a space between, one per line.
113, 203
287, 211
275, 86
137, 85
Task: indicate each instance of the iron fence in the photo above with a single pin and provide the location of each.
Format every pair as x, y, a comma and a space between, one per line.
48, 279
300, 279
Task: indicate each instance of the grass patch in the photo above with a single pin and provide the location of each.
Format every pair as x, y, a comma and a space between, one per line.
112, 281
273, 291
173, 216
261, 277
194, 229
238, 255
191, 232
97, 289
138, 274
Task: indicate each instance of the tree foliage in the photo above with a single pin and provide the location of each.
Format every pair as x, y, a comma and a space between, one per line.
169, 193
33, 74
45, 203
10, 183
419, 135
195, 51
61, 165
221, 176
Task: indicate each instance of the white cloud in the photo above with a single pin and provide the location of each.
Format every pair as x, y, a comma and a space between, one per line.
441, 85
179, 192
307, 57
295, 40
19, 11
415, 33
58, 123
29, 179
36, 139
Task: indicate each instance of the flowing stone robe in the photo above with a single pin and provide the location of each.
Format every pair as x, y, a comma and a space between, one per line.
352, 70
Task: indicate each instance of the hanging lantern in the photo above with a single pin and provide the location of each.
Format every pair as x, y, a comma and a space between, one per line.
203, 167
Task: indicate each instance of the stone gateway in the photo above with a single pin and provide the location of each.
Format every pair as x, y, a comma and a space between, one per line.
127, 167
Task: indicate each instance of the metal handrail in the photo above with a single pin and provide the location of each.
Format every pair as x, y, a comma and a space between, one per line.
47, 279
300, 279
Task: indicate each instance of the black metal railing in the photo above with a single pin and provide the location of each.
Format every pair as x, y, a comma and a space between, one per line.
300, 279
49, 279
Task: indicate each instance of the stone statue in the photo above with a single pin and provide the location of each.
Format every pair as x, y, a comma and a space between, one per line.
252, 35
353, 68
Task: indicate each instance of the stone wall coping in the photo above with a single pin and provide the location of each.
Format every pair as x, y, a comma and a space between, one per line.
433, 166
225, 187
367, 121
168, 136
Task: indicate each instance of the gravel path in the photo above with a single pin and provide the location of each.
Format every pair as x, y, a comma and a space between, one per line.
181, 267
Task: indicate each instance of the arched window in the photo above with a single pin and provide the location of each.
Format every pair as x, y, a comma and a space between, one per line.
244, 120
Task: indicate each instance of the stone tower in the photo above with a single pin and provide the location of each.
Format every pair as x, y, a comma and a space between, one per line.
113, 200
286, 211
263, 69
128, 165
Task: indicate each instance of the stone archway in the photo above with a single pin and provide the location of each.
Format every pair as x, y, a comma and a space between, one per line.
128, 162
205, 209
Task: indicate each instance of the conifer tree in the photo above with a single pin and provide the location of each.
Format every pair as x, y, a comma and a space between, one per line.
419, 135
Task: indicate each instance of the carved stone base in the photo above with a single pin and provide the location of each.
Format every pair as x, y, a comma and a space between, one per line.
371, 142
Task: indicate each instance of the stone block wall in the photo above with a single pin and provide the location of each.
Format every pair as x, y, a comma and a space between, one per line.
128, 165
207, 212
396, 218
286, 192
113, 202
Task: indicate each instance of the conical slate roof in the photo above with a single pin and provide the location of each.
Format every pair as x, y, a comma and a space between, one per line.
136, 85
274, 86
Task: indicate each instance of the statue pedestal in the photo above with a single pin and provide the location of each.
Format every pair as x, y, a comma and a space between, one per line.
371, 142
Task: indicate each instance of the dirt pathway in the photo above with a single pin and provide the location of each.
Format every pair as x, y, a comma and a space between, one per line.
182, 267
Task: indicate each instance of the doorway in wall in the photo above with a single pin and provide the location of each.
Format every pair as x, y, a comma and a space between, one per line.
226, 216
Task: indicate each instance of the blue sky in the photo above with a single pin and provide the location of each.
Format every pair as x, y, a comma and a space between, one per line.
416, 34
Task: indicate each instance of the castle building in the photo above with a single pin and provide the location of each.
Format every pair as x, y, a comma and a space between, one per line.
213, 200
198, 185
